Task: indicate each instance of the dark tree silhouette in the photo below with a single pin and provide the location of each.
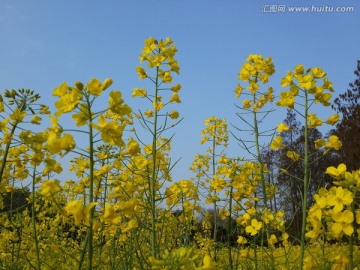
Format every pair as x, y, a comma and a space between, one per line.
291, 183
348, 129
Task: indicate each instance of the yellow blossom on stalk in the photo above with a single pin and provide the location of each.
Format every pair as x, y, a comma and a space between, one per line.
246, 103
333, 142
277, 143
332, 120
339, 197
139, 92
156, 60
158, 105
10, 188
256, 68
174, 114
318, 72
150, 45
315, 212
324, 99
267, 216
36, 120
132, 224
269, 95
253, 87
128, 207
241, 240
133, 147
282, 127
287, 99
293, 155
82, 117
320, 200
272, 240
238, 90
2, 107
327, 85
78, 211
17, 115
208, 264
212, 199
69, 98
287, 80
109, 215
141, 73
117, 105
340, 262
166, 77
149, 113
175, 98
50, 187
254, 228
299, 69
336, 172
309, 263
111, 132
66, 142
61, 90
176, 88
319, 143
343, 223
218, 183
95, 87
307, 82
314, 121
3, 125
56, 144
316, 229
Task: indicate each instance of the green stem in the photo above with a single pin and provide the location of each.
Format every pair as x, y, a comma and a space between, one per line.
37, 250
6, 152
351, 240
229, 229
266, 228
306, 181
90, 232
153, 172
215, 205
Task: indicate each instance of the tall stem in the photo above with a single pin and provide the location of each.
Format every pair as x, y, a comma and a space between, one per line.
215, 205
37, 250
91, 191
229, 228
154, 252
6, 152
306, 181
262, 179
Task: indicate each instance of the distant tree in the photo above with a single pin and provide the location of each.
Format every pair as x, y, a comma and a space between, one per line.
16, 201
291, 183
348, 129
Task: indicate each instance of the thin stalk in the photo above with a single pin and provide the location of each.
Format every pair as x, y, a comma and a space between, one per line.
229, 229
351, 240
306, 181
154, 252
6, 152
37, 250
215, 205
262, 179
90, 232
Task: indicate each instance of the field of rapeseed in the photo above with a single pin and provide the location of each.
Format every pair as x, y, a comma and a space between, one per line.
119, 209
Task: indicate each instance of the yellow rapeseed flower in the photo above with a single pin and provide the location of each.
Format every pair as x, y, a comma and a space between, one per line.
50, 187
339, 197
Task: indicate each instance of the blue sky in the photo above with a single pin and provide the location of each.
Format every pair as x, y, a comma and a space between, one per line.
44, 43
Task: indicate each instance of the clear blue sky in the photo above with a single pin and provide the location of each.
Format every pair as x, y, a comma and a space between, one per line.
44, 43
